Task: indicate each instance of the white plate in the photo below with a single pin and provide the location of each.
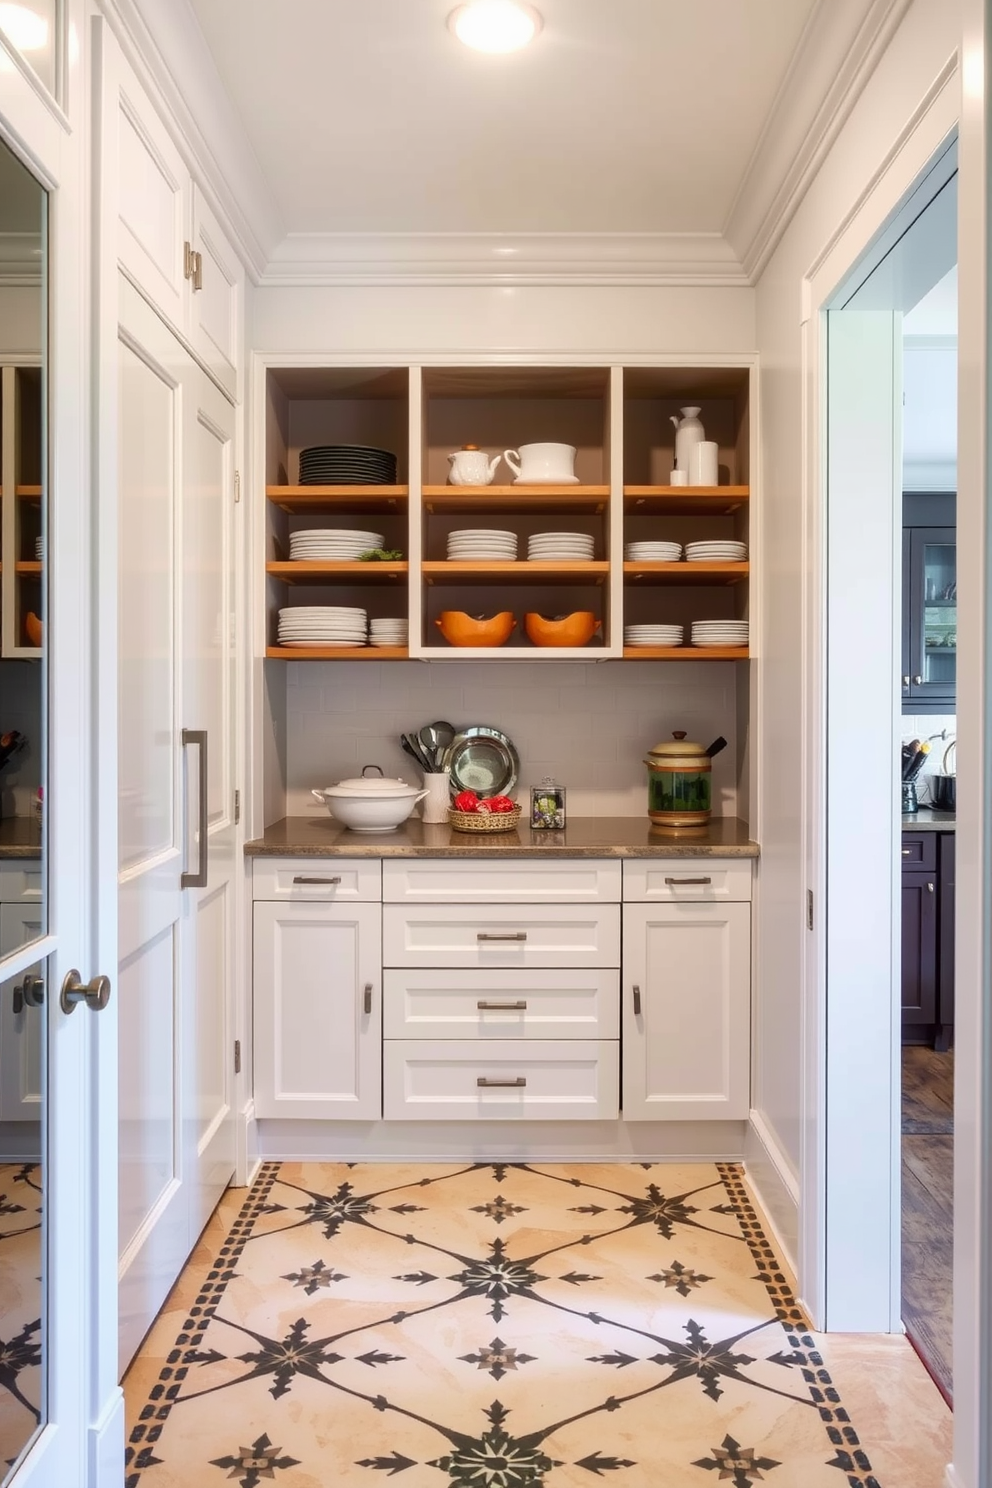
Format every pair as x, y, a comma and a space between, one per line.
319, 612
316, 644
483, 532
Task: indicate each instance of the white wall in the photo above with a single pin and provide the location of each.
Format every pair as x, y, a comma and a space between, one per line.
927, 38
588, 725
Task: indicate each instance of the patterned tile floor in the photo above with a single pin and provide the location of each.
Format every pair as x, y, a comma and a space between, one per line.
20, 1307
502, 1326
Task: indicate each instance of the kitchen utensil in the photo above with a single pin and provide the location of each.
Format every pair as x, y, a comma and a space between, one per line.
909, 753
433, 745
471, 466
445, 735
679, 782
470, 821
704, 463
411, 743
483, 760
688, 432
542, 464
918, 762
460, 629
910, 800
576, 629
437, 797
407, 747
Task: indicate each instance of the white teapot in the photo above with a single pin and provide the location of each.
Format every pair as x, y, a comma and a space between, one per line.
543, 464
471, 467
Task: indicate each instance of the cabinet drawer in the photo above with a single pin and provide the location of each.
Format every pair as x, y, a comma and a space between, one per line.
426, 1081
496, 936
461, 881
21, 881
508, 1005
300, 880
919, 850
699, 880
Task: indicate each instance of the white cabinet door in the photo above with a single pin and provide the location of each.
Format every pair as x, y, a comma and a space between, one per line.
318, 1011
21, 1029
686, 1011
215, 298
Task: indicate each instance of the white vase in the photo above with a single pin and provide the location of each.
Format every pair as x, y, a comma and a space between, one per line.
435, 807
688, 432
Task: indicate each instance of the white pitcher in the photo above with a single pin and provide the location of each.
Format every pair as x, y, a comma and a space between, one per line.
688, 432
471, 467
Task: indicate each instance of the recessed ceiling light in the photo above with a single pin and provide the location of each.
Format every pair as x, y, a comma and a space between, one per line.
23, 28
495, 25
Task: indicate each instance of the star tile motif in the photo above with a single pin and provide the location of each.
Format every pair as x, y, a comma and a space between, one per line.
496, 1459
738, 1465
681, 1278
291, 1356
251, 1464
497, 1277
334, 1210
312, 1278
664, 1213
498, 1358
499, 1209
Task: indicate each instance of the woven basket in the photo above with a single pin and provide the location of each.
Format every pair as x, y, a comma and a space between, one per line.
497, 821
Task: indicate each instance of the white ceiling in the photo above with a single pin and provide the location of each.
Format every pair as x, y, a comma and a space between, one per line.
625, 116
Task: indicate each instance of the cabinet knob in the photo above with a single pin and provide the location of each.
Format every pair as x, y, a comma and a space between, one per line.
918, 681
905, 680
929, 888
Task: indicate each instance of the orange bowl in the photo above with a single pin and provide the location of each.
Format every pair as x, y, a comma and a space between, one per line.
577, 629
460, 629
34, 628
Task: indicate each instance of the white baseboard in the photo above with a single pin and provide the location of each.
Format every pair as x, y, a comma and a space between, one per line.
505, 1141
775, 1185
106, 1442
247, 1160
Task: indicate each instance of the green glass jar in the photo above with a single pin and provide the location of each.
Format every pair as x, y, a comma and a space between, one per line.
679, 783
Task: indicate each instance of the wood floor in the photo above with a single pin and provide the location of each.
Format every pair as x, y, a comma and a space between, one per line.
928, 1206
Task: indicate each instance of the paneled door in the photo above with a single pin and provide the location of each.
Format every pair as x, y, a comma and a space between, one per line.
176, 818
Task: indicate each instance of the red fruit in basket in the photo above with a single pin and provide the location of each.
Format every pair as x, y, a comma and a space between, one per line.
483, 808
466, 800
501, 804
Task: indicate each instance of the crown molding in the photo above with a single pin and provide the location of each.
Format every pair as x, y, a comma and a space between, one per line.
329, 259
163, 42
837, 53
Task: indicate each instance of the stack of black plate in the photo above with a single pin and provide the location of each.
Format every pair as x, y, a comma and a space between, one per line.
347, 465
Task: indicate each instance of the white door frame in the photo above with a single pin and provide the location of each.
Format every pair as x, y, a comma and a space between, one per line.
82, 1440
833, 1176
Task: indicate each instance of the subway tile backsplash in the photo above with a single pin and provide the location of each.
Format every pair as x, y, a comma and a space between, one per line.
586, 724
926, 726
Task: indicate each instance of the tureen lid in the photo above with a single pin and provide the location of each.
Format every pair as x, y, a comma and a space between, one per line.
373, 785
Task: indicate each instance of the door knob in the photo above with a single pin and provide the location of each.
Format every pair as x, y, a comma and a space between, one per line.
96, 994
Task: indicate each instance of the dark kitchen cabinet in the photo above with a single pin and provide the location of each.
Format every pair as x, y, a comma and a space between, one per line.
929, 604
928, 938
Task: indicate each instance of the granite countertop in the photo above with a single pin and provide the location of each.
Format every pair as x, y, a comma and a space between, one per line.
584, 837
20, 837
927, 819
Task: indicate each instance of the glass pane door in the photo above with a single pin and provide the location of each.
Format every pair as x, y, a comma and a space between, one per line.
940, 616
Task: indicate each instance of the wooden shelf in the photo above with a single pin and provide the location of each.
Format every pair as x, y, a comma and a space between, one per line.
538, 500
302, 572
446, 572
686, 653
338, 653
685, 501
320, 500
686, 573
28, 570
28, 493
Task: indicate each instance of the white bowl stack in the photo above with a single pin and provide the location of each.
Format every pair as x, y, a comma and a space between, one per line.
323, 625
653, 552
723, 550
389, 632
561, 547
719, 633
652, 635
476, 544
331, 544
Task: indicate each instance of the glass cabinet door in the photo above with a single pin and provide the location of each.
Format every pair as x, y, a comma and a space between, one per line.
934, 613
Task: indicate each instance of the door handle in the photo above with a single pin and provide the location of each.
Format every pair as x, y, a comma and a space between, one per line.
367, 999
198, 880
502, 1007
96, 994
516, 1084
637, 1001
300, 879
513, 935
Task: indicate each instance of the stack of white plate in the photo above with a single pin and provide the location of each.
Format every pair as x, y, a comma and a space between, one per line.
332, 544
322, 625
719, 633
652, 635
388, 632
653, 552
473, 544
722, 551
39, 549
561, 547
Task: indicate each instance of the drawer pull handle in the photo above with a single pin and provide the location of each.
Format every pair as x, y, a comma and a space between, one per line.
688, 880
300, 879
502, 1007
637, 1001
367, 999
512, 935
516, 1084
907, 852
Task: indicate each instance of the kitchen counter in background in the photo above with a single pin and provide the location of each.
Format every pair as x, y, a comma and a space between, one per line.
20, 837
929, 820
584, 837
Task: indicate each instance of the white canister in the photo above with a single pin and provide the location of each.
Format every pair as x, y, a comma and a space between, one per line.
704, 463
679, 478
542, 464
435, 807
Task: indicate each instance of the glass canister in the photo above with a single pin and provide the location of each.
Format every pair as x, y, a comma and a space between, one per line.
547, 806
679, 783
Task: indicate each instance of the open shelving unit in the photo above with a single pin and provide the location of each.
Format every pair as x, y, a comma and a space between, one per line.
619, 421
21, 508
